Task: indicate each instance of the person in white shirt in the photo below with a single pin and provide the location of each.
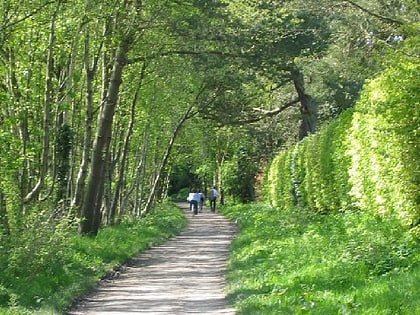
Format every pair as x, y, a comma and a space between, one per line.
194, 199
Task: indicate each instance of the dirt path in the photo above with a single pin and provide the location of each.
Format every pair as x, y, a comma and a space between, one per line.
183, 276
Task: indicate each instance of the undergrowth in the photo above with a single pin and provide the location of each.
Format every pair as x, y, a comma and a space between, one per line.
298, 262
46, 279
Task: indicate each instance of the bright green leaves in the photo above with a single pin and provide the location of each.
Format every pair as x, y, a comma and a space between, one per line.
384, 144
367, 158
276, 32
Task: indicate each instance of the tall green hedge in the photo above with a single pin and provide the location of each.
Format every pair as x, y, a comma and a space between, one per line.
278, 182
368, 158
384, 142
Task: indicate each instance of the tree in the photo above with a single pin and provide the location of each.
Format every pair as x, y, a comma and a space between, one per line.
90, 211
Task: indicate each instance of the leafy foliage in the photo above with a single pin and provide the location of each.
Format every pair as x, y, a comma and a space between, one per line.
384, 144
230, 63
366, 158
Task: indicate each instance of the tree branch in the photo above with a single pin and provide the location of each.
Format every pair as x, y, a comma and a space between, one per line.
381, 17
29, 15
185, 52
262, 115
273, 112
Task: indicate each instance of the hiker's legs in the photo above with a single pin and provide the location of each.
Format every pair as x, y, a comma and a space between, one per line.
213, 205
195, 206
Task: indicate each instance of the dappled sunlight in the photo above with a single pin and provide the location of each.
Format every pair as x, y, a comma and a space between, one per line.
185, 275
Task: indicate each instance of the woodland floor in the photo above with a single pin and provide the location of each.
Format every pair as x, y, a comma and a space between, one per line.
185, 275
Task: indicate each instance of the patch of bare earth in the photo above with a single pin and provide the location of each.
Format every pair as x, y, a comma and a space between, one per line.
186, 275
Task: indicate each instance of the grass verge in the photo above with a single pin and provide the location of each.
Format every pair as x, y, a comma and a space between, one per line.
296, 262
79, 262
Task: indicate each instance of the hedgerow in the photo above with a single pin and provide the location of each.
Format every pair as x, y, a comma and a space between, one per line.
367, 159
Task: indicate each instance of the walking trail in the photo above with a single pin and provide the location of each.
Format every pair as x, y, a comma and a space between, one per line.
185, 275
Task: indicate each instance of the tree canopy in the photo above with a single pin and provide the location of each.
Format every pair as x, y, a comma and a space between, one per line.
106, 104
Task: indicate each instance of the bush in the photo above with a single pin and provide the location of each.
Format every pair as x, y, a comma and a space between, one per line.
181, 195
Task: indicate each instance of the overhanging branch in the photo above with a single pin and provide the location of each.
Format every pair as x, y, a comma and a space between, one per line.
185, 52
381, 17
262, 114
273, 112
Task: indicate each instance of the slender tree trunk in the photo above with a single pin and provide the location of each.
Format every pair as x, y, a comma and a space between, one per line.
141, 170
99, 204
4, 220
147, 208
134, 187
63, 149
25, 172
87, 138
47, 107
83, 169
220, 160
101, 143
167, 182
308, 107
81, 177
12, 87
70, 86
119, 184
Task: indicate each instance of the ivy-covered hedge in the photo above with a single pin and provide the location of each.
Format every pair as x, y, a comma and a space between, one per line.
366, 159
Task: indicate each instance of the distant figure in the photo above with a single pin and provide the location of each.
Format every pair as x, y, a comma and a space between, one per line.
193, 198
200, 205
212, 197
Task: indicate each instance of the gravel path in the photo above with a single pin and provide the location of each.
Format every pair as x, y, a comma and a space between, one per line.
183, 276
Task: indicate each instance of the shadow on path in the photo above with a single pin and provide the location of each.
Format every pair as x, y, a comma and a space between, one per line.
185, 275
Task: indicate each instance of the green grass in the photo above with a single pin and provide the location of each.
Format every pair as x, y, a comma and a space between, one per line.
297, 262
51, 277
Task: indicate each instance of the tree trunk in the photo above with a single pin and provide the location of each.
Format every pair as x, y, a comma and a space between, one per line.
12, 88
162, 166
141, 169
47, 106
127, 137
83, 169
220, 160
100, 147
308, 107
4, 220
87, 138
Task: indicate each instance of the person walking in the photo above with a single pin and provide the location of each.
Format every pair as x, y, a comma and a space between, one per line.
212, 197
194, 199
200, 205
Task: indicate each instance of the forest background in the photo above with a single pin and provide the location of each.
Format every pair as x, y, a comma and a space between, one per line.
109, 107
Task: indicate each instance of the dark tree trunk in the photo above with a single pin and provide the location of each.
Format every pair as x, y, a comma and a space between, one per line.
89, 213
4, 221
308, 107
